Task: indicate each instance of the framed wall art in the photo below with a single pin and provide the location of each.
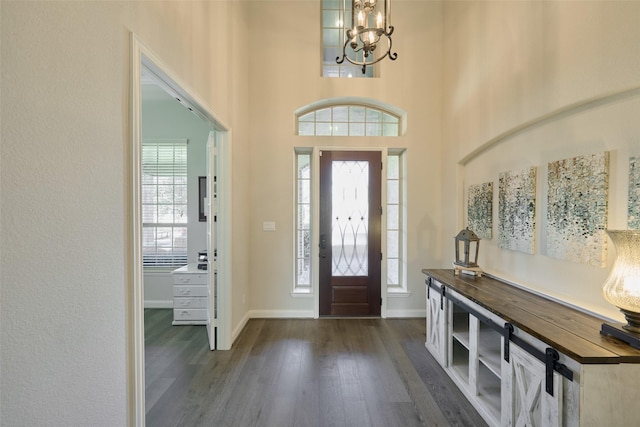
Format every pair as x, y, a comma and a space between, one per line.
480, 209
517, 209
577, 209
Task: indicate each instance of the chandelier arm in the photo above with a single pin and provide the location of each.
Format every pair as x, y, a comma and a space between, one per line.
392, 56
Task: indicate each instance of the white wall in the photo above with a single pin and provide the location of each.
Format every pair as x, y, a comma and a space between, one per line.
286, 67
164, 117
65, 258
509, 65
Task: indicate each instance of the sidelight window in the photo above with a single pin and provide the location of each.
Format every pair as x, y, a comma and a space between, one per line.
303, 221
396, 235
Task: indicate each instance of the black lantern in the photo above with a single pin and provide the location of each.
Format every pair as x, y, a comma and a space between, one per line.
467, 248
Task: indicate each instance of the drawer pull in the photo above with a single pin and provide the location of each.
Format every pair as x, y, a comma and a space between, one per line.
185, 291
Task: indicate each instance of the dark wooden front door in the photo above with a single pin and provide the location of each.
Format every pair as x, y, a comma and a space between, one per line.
350, 215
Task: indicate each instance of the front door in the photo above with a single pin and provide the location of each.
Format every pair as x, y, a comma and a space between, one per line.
350, 216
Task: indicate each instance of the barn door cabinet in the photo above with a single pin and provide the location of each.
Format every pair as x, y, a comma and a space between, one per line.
524, 360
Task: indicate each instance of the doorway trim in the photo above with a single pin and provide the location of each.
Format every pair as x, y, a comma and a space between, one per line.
142, 56
315, 252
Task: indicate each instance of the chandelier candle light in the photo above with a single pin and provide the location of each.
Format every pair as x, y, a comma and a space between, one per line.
371, 21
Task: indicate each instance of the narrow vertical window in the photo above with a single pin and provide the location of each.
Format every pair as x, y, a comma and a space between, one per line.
303, 221
396, 269
164, 203
333, 37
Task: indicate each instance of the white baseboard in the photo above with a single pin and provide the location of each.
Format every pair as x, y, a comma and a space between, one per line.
281, 314
236, 331
308, 314
396, 314
158, 304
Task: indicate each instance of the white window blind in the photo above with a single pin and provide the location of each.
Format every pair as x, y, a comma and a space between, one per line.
164, 203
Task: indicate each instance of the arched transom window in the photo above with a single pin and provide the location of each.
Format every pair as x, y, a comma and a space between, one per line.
348, 120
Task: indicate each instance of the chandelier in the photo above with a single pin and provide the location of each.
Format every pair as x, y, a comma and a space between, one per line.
370, 28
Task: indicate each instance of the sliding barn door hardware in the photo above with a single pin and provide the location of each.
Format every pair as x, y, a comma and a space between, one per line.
550, 358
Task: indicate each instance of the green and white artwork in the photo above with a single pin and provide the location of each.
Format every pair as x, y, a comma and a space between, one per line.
634, 193
517, 209
577, 209
480, 209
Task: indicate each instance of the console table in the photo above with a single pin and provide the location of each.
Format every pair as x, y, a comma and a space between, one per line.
523, 359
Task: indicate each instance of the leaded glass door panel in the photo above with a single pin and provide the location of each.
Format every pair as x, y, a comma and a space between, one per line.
350, 214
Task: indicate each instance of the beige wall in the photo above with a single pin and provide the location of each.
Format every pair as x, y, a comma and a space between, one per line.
482, 69
509, 65
65, 258
285, 76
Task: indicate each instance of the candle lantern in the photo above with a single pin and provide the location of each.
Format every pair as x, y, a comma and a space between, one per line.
467, 248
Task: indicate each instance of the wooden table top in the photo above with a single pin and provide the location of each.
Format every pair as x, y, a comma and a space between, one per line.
568, 330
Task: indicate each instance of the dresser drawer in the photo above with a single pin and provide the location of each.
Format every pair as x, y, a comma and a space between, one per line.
191, 279
189, 302
190, 291
190, 314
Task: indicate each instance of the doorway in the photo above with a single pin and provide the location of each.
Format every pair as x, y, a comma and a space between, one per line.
350, 233
144, 58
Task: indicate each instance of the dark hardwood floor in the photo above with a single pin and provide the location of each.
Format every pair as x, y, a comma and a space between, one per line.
299, 372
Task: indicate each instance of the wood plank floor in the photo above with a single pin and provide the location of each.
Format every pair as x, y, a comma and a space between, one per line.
299, 372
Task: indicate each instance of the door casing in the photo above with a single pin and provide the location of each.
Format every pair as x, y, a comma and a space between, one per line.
315, 259
350, 295
142, 56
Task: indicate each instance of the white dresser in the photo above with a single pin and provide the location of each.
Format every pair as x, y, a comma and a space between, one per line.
190, 296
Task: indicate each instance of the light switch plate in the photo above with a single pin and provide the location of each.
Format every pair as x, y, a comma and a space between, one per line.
269, 226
